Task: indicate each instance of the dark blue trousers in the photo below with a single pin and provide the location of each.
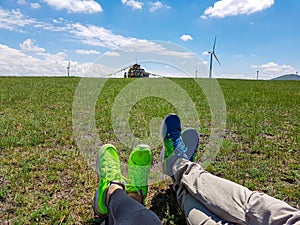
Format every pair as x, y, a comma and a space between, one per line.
123, 209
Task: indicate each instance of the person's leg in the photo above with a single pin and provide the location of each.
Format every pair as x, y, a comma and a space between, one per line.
230, 201
125, 210
177, 144
195, 212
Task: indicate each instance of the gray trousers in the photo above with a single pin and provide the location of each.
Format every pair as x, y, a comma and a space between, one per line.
208, 199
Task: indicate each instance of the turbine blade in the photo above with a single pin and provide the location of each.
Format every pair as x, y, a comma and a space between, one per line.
214, 47
217, 58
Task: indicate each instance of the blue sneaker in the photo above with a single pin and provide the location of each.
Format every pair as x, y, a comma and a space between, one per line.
174, 146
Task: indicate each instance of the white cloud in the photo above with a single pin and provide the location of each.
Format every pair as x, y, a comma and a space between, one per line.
223, 8
273, 69
76, 6
178, 54
21, 2
98, 36
60, 56
186, 37
87, 52
13, 20
112, 54
30, 45
16, 63
133, 4
35, 5
206, 53
238, 56
59, 20
154, 6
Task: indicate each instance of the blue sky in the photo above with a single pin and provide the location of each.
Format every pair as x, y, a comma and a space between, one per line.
39, 37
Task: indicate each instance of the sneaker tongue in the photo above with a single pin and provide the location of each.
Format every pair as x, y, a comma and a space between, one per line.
140, 158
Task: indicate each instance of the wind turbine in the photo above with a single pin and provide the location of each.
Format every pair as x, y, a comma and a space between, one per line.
213, 54
68, 68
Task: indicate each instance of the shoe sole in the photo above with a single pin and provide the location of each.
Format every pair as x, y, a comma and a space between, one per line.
190, 138
142, 148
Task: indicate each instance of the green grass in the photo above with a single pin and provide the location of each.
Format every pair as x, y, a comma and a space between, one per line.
44, 179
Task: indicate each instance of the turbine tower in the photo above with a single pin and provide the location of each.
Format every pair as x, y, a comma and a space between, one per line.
212, 55
68, 68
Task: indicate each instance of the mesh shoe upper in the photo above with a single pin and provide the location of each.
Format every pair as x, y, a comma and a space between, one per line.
139, 163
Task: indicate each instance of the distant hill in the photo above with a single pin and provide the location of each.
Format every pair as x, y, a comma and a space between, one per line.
288, 77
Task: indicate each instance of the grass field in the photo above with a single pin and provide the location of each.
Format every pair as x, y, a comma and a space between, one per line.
45, 180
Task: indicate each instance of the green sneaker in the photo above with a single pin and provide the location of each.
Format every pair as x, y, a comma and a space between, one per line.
108, 169
139, 164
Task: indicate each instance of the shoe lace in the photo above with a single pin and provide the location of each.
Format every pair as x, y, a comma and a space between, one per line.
139, 176
109, 171
180, 148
